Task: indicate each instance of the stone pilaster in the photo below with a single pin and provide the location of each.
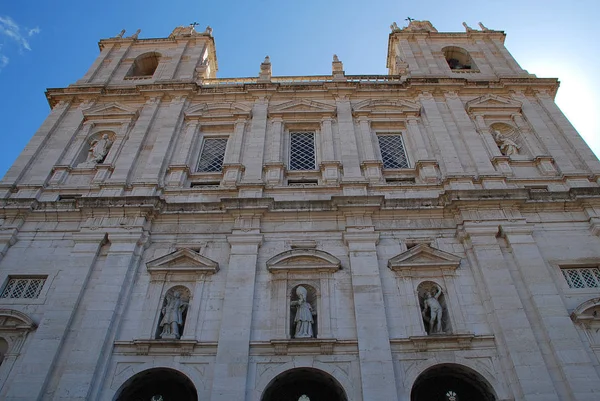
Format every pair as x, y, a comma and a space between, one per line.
520, 355
232, 167
182, 162
375, 355
274, 167
254, 148
349, 148
330, 167
231, 364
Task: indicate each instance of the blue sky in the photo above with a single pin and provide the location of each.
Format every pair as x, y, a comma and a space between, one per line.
50, 44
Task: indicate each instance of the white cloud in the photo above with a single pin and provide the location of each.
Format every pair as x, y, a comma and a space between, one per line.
11, 34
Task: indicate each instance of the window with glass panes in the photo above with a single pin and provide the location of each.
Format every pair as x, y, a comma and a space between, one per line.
302, 151
583, 277
211, 155
23, 287
392, 150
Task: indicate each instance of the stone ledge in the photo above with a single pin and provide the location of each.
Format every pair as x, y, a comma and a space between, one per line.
442, 342
165, 347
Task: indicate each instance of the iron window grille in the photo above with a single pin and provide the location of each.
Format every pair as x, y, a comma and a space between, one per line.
212, 154
27, 288
585, 277
302, 151
392, 151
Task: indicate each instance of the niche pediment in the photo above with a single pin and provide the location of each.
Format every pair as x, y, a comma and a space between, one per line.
387, 108
12, 320
223, 110
423, 256
303, 107
304, 260
112, 111
182, 261
493, 104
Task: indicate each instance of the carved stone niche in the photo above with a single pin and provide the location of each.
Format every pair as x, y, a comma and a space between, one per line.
312, 269
183, 268
587, 317
438, 268
14, 327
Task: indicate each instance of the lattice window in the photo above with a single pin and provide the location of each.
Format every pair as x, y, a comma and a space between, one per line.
392, 151
23, 287
585, 277
302, 151
212, 154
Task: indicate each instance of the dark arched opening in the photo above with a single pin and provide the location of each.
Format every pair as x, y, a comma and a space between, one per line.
144, 65
168, 383
442, 382
315, 384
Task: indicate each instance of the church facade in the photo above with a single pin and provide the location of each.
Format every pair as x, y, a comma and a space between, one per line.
430, 234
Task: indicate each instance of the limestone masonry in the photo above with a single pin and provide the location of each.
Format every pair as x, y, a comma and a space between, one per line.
427, 235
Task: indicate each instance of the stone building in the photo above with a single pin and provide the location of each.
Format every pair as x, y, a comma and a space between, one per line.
430, 234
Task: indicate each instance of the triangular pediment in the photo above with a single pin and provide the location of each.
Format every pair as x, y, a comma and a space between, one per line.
111, 110
181, 261
493, 103
303, 106
387, 108
304, 260
423, 256
13, 320
219, 110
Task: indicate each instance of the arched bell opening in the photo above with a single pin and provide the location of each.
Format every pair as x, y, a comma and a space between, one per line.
451, 382
158, 384
314, 384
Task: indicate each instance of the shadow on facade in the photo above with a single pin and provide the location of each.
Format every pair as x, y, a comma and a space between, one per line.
315, 384
450, 382
168, 383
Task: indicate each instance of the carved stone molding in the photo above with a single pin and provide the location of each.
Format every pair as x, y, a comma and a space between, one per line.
182, 261
424, 257
323, 346
304, 260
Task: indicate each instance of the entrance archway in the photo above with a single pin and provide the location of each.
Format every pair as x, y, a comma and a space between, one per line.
168, 383
442, 382
315, 384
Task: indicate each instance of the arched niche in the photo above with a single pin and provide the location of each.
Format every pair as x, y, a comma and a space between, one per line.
144, 65
587, 319
304, 306
507, 135
444, 381
169, 383
434, 292
458, 59
173, 314
314, 383
14, 328
96, 148
313, 269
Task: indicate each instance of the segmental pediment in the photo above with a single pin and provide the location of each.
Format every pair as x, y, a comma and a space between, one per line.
303, 107
13, 320
423, 256
304, 260
183, 261
228, 110
113, 111
493, 103
388, 108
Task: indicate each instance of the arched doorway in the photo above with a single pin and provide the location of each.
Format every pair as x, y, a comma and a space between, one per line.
294, 383
168, 383
442, 382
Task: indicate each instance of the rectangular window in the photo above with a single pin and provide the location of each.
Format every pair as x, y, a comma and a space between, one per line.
23, 287
392, 151
211, 155
583, 277
302, 151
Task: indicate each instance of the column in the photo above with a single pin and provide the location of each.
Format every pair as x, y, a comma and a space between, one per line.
349, 148
175, 60
254, 149
131, 149
37, 364
182, 164
552, 319
274, 165
167, 127
105, 73
450, 159
102, 302
232, 167
330, 167
575, 140
409, 57
98, 63
193, 316
371, 164
374, 351
428, 169
231, 364
520, 355
432, 65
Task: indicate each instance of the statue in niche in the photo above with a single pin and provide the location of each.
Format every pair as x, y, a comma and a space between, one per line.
433, 312
172, 316
303, 321
98, 150
303, 397
507, 146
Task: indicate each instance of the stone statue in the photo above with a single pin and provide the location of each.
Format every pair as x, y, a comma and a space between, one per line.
135, 35
157, 397
394, 27
467, 27
433, 311
120, 35
99, 149
172, 319
336, 59
303, 397
507, 147
208, 31
304, 315
483, 27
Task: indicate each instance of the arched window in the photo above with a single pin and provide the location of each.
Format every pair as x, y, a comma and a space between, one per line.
458, 59
144, 65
